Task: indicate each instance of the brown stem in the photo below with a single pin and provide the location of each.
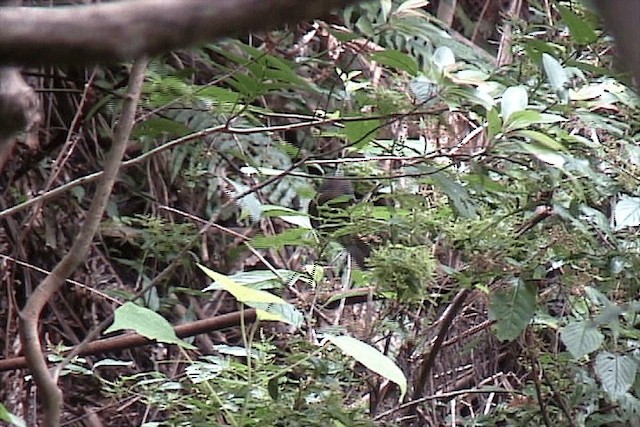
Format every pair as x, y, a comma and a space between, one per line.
51, 395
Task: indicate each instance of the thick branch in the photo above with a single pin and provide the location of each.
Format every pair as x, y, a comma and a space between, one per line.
111, 32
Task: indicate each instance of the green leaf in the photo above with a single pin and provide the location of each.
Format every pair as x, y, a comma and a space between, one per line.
513, 309
289, 237
557, 75
361, 132
266, 304
443, 58
514, 99
581, 28
527, 118
219, 95
249, 204
423, 89
145, 322
7, 416
396, 59
626, 212
264, 279
495, 123
371, 358
617, 373
581, 338
543, 139
411, 4
458, 195
544, 154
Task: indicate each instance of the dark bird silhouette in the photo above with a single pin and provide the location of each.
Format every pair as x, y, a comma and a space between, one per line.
328, 215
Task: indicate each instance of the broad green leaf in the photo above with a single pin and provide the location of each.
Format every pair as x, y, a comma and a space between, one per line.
267, 305
371, 358
512, 309
514, 99
157, 127
556, 73
8, 417
581, 28
617, 373
396, 59
521, 119
145, 322
219, 95
581, 338
361, 132
626, 212
286, 313
385, 8
289, 215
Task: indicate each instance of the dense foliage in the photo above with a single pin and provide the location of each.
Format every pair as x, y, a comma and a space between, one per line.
501, 205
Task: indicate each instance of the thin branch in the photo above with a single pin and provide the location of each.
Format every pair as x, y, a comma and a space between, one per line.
30, 314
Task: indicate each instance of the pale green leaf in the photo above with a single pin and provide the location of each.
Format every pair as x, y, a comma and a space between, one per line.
544, 154
8, 417
371, 358
145, 322
543, 139
396, 59
412, 4
617, 373
581, 338
514, 99
626, 212
443, 58
556, 73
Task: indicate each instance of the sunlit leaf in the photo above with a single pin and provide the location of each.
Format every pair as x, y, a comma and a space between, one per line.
267, 305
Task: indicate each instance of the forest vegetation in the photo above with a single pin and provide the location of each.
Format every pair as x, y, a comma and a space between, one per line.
398, 213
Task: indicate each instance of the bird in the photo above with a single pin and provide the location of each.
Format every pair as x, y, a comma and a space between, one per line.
327, 215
